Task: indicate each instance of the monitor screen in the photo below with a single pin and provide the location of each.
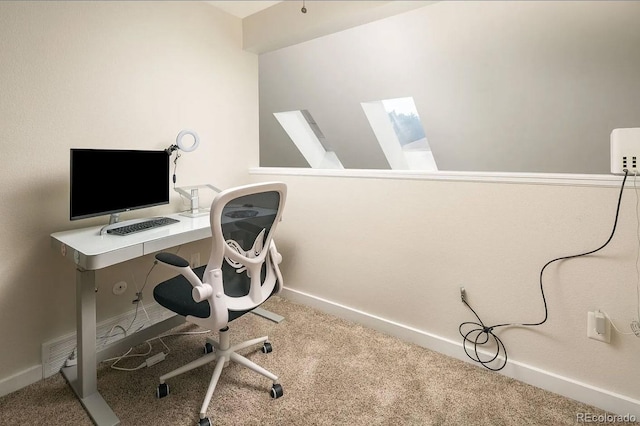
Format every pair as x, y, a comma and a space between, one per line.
108, 181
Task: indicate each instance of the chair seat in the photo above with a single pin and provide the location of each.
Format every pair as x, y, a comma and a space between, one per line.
175, 293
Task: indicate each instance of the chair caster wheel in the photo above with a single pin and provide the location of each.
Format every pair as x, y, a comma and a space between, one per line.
267, 348
276, 391
205, 422
208, 348
162, 391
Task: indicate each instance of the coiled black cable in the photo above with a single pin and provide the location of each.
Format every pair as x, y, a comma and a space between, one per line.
477, 334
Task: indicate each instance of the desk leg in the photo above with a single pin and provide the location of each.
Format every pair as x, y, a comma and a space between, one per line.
261, 312
84, 381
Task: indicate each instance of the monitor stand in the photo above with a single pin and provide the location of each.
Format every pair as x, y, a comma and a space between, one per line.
114, 219
191, 193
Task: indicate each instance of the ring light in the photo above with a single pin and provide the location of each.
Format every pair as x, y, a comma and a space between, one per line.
196, 140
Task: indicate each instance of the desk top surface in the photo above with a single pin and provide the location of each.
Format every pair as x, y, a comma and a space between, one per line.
90, 250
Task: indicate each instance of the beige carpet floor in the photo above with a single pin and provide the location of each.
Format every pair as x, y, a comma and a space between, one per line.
333, 373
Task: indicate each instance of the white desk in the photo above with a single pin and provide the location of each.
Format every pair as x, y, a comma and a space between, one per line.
90, 251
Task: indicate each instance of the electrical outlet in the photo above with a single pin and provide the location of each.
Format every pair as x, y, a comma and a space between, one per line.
195, 260
119, 288
598, 327
625, 150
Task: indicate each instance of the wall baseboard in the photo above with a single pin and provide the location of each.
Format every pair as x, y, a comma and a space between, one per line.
55, 352
609, 401
20, 380
597, 397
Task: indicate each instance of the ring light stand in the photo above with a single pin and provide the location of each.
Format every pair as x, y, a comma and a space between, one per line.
181, 146
190, 192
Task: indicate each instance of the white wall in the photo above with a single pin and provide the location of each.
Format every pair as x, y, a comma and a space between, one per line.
394, 253
105, 75
400, 250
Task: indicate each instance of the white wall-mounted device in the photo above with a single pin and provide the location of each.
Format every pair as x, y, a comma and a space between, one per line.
625, 150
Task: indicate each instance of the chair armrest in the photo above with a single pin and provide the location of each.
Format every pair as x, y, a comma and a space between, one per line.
276, 259
176, 262
172, 260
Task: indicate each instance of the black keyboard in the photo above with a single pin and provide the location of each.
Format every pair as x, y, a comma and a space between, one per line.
142, 226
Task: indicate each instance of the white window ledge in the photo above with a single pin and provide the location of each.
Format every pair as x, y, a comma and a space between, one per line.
486, 177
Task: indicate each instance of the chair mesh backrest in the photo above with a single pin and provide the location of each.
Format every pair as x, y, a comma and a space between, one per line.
244, 218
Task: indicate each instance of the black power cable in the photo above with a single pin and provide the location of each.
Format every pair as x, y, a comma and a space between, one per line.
477, 334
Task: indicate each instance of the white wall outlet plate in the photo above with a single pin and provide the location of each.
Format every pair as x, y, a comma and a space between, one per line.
119, 288
625, 150
591, 328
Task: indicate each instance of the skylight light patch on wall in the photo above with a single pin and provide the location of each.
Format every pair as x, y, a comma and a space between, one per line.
309, 139
400, 133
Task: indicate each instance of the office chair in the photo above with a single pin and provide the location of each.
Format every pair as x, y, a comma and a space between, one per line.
242, 273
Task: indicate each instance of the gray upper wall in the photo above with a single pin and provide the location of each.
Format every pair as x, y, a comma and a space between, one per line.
499, 86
